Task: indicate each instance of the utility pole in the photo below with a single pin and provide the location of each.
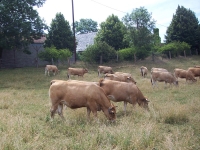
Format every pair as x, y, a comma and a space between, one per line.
74, 32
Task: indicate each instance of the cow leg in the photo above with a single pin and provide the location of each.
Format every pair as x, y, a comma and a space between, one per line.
53, 110
125, 105
48, 73
59, 110
88, 113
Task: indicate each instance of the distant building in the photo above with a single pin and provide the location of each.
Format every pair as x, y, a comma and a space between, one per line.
84, 40
17, 59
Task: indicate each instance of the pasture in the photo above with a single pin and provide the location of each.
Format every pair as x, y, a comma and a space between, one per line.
173, 122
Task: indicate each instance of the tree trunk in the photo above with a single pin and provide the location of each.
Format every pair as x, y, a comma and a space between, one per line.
134, 57
101, 59
153, 56
184, 53
117, 57
170, 56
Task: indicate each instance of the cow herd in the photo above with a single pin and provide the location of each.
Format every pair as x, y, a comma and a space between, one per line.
114, 86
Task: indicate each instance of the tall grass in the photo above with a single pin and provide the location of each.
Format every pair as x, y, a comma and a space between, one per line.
172, 123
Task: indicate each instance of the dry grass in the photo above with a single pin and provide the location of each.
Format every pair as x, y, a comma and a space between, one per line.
172, 123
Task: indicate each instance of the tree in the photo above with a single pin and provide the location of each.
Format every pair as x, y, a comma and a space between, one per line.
183, 27
112, 31
85, 26
156, 42
140, 26
98, 52
60, 34
20, 23
51, 54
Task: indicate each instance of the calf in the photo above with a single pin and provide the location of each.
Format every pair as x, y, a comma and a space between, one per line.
181, 73
74, 94
122, 91
143, 71
76, 71
51, 68
104, 70
166, 77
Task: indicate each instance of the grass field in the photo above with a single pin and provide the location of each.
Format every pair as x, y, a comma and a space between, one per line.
173, 122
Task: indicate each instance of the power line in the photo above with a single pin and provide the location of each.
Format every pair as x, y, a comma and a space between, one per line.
119, 10
108, 7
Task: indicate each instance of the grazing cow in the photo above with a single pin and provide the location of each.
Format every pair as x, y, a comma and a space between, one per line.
119, 77
181, 73
195, 71
76, 71
104, 70
159, 69
122, 91
74, 94
51, 68
166, 77
143, 71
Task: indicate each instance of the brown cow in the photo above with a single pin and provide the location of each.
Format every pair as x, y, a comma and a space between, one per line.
51, 68
119, 77
74, 94
181, 73
143, 71
104, 70
159, 69
195, 71
76, 71
166, 77
122, 91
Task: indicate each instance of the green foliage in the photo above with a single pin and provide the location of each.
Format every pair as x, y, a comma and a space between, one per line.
52, 53
20, 23
85, 26
176, 48
112, 31
60, 34
48, 54
64, 54
95, 51
126, 54
183, 27
140, 27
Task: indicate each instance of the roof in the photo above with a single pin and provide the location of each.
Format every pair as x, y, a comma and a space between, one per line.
40, 41
85, 40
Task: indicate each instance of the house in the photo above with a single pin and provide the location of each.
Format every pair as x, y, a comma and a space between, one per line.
84, 40
18, 59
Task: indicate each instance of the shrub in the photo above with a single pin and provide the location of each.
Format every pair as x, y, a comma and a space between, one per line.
52, 53
95, 51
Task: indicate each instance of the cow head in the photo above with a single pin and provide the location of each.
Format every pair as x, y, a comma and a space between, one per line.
144, 103
86, 70
130, 79
112, 112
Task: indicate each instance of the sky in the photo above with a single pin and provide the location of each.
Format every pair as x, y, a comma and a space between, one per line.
99, 10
